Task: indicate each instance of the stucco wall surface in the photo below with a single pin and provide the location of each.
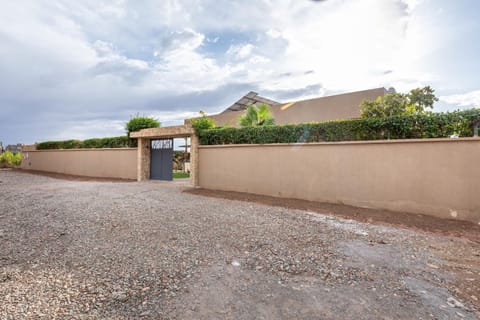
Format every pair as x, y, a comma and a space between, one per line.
438, 177
102, 163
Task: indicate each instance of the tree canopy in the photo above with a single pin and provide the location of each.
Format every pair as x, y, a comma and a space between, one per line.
138, 123
417, 101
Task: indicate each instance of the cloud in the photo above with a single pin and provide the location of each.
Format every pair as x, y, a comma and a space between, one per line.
111, 63
182, 40
310, 91
78, 64
241, 51
468, 99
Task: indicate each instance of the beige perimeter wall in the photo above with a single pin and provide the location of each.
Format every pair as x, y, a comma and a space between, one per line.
102, 163
438, 177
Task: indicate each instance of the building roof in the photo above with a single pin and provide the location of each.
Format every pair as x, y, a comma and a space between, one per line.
249, 99
335, 107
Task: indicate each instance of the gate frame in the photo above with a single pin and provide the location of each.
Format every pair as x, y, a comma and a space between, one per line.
143, 148
160, 166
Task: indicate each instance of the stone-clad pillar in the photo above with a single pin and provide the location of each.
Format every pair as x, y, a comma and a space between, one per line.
194, 142
143, 159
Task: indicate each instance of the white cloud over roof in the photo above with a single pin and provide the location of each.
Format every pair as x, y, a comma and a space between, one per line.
77, 64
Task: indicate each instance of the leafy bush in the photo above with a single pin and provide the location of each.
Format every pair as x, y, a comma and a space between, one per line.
396, 104
67, 144
17, 159
111, 142
430, 125
138, 123
10, 159
202, 123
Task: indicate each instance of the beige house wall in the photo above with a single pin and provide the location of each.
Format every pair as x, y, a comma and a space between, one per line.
101, 163
29, 147
438, 177
342, 106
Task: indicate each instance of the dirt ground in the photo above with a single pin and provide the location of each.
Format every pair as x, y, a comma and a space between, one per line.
70, 177
469, 281
456, 228
73, 249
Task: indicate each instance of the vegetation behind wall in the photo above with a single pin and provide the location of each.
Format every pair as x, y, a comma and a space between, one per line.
134, 124
111, 142
428, 125
138, 123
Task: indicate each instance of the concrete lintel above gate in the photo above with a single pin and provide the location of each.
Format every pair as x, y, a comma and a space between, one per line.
143, 152
164, 132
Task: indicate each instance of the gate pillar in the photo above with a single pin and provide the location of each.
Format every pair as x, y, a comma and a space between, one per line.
194, 142
143, 159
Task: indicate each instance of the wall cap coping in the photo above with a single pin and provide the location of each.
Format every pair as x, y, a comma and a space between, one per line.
164, 132
393, 141
83, 149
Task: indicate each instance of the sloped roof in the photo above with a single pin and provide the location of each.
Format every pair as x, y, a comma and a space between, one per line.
248, 99
335, 107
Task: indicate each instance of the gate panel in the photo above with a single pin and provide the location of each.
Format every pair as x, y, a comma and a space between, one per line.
161, 161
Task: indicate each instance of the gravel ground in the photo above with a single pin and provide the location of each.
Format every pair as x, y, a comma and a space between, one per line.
111, 250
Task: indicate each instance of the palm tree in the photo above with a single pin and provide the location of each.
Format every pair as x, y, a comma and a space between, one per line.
257, 116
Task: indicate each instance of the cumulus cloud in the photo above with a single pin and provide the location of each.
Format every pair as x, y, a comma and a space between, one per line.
78, 64
468, 99
241, 51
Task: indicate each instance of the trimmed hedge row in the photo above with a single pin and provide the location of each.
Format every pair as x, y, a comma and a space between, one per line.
430, 125
111, 142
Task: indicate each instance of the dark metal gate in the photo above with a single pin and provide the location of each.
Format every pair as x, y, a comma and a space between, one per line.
161, 159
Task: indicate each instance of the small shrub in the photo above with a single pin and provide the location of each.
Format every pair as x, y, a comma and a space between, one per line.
202, 123
10, 159
17, 160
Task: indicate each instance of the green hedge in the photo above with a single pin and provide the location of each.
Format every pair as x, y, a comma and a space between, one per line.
111, 142
430, 125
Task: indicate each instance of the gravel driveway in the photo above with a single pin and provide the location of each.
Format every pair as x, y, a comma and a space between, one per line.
116, 250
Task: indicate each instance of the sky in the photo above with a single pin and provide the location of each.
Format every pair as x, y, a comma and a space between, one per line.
81, 69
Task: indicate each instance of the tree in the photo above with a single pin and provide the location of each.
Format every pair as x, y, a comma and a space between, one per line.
372, 108
394, 104
422, 98
257, 116
138, 123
